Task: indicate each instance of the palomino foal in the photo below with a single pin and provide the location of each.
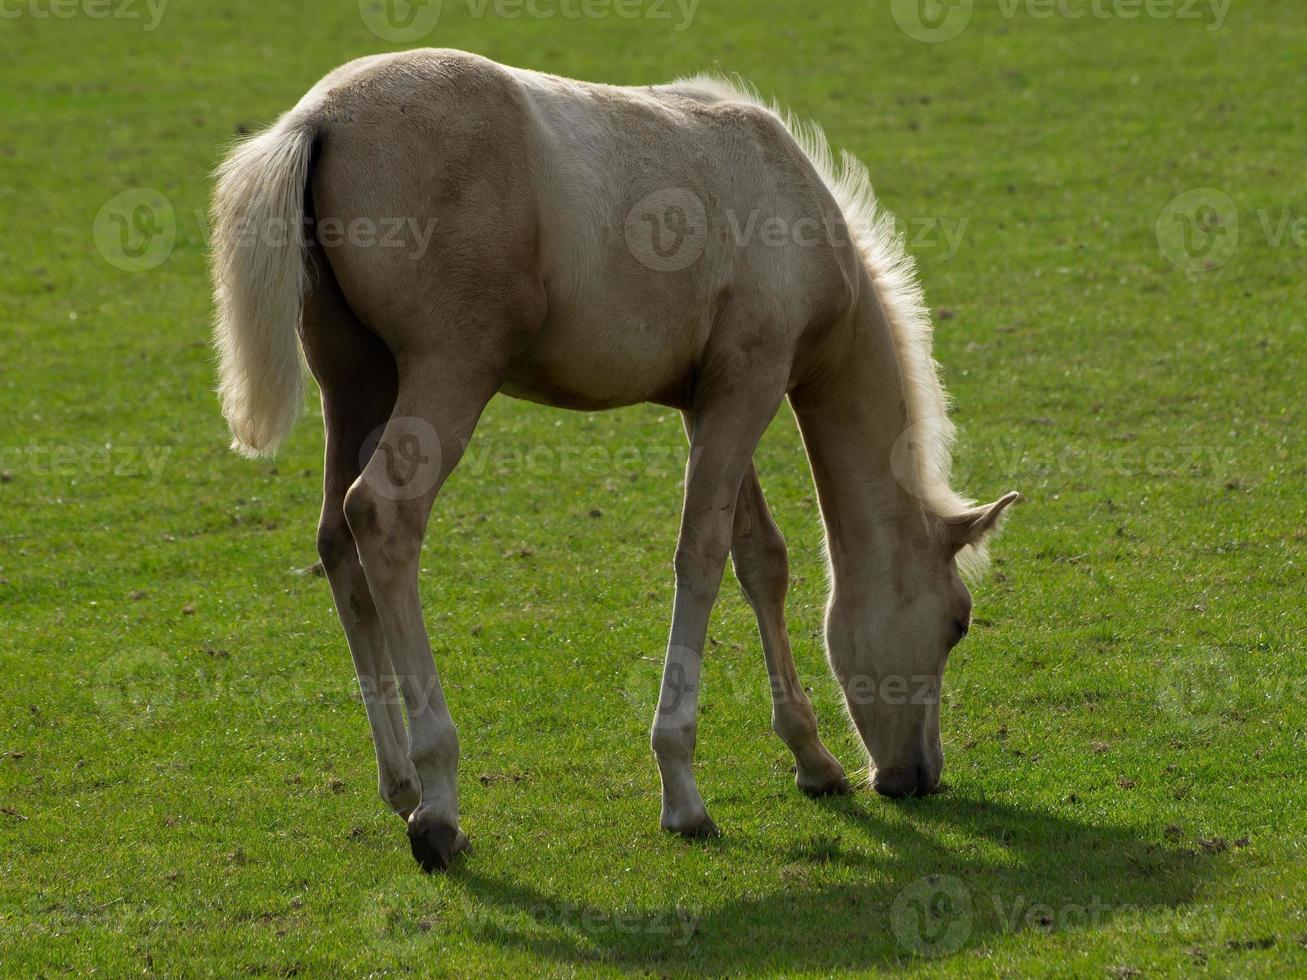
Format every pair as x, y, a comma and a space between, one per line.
587, 253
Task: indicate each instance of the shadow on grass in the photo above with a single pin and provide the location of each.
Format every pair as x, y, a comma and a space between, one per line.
1026, 870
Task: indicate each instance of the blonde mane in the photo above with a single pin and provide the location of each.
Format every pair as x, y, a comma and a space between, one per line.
928, 444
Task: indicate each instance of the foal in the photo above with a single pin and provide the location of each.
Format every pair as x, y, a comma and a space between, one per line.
594, 247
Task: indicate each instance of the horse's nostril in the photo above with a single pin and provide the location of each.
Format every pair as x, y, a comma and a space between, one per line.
928, 782
912, 781
895, 783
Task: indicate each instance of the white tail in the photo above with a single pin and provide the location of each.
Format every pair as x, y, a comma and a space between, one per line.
259, 279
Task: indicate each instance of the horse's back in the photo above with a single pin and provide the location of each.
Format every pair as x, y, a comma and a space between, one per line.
640, 216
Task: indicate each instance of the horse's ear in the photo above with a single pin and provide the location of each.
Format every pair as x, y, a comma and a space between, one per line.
974, 525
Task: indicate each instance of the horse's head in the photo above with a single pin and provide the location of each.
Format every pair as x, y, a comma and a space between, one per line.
889, 645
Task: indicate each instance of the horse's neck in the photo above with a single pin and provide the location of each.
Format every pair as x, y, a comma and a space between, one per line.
851, 421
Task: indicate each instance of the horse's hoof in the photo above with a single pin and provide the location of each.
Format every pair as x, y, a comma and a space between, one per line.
701, 828
824, 777
837, 786
435, 842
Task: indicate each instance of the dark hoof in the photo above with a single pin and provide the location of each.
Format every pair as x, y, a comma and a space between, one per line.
701, 829
434, 842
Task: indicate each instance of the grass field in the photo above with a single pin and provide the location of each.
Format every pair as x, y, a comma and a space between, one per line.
187, 785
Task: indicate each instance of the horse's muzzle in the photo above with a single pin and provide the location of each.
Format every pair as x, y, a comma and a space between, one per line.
918, 780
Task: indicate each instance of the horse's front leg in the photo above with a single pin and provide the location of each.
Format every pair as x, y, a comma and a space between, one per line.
724, 430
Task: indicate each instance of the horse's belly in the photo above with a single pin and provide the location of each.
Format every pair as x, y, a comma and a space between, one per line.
607, 358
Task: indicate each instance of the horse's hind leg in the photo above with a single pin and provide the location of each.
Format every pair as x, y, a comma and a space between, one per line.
356, 376
763, 570
439, 401
454, 295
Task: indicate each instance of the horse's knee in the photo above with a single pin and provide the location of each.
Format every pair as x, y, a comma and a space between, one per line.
335, 542
362, 512
383, 526
372, 523
699, 564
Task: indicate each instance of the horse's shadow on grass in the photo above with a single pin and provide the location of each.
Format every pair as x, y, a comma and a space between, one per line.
1025, 870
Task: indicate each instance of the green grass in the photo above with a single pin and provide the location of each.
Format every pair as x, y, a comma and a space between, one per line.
186, 780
